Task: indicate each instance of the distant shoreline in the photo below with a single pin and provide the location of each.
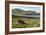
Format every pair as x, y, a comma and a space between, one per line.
27, 17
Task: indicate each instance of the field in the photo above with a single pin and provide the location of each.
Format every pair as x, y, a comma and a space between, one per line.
29, 22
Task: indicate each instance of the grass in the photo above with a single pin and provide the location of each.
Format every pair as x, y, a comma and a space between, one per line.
29, 22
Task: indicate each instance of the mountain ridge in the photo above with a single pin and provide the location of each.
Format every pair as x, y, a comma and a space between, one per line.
20, 11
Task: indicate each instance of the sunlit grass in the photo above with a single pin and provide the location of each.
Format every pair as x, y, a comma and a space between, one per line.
29, 22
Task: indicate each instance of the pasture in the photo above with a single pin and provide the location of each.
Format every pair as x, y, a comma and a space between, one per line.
29, 22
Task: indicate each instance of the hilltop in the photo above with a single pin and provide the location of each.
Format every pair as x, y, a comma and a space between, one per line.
22, 12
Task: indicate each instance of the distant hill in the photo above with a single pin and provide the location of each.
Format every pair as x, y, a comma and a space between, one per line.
20, 11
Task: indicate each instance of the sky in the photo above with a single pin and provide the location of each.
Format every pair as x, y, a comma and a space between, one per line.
36, 9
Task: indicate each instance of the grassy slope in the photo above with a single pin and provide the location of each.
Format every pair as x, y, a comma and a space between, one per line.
29, 23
